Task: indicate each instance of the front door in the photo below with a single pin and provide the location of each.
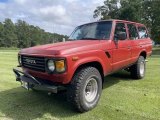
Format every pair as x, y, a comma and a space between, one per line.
121, 47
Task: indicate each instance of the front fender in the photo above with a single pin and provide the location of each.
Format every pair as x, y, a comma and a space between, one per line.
95, 56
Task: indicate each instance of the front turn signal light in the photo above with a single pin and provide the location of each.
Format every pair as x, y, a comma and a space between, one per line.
60, 65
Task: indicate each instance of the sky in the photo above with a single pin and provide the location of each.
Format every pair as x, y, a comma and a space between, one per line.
58, 16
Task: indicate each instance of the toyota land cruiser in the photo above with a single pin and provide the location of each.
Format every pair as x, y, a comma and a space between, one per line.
79, 65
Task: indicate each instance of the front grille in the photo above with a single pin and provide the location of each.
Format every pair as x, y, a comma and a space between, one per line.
33, 63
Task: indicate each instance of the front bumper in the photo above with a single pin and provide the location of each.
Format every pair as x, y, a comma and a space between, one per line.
33, 83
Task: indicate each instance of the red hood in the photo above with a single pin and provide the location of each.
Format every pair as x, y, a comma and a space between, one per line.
62, 48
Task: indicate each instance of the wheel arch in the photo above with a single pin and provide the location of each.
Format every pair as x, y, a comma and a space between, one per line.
144, 54
95, 64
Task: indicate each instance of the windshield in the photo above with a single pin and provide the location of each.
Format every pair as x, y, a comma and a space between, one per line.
92, 31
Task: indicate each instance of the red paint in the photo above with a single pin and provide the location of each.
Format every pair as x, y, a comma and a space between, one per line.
122, 54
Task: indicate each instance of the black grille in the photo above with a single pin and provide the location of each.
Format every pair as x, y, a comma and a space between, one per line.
34, 63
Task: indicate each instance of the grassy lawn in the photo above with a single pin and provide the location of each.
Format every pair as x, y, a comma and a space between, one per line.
156, 50
122, 98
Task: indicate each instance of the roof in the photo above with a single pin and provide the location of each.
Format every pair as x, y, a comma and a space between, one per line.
116, 20
126, 21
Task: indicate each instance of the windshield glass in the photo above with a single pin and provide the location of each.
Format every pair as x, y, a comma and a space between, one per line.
92, 31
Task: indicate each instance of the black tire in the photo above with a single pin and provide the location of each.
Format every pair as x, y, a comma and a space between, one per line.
79, 89
136, 72
33, 89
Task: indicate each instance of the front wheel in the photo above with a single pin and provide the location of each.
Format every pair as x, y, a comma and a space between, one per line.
85, 90
138, 69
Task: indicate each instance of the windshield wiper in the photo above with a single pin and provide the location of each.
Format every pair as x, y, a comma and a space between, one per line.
87, 38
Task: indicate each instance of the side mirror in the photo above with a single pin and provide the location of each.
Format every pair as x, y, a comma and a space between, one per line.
120, 36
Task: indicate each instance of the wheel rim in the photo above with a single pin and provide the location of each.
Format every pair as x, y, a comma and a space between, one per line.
142, 68
91, 89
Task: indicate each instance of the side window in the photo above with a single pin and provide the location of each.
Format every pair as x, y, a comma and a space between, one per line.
120, 32
133, 34
142, 32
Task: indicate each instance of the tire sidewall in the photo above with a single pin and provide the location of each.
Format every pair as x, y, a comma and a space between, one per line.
89, 105
141, 59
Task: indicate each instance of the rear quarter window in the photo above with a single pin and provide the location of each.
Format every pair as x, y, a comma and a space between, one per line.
142, 32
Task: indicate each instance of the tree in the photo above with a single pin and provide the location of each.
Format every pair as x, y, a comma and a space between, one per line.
144, 11
23, 35
108, 10
22, 31
131, 10
119, 9
152, 18
8, 34
1, 37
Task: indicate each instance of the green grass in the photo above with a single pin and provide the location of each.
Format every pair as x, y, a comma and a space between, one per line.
156, 50
9, 48
122, 98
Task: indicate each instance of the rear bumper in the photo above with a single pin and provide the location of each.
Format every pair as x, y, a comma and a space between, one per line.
36, 83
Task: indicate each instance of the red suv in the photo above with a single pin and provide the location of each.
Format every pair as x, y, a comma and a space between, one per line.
79, 65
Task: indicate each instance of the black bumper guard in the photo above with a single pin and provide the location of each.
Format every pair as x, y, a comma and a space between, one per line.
33, 83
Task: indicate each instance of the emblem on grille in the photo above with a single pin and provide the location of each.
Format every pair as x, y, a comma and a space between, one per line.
30, 61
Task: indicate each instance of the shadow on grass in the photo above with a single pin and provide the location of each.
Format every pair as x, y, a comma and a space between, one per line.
18, 104
115, 78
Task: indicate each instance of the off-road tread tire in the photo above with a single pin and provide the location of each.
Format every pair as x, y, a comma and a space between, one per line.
134, 69
73, 92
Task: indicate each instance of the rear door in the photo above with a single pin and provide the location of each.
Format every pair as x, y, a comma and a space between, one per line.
145, 42
142, 43
121, 47
134, 37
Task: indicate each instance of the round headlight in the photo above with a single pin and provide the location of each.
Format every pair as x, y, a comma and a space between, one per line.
20, 59
51, 65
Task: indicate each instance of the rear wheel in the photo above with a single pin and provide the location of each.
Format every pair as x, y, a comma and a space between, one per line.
138, 69
85, 90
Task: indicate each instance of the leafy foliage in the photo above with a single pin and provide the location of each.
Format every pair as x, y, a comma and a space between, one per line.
23, 35
108, 10
143, 11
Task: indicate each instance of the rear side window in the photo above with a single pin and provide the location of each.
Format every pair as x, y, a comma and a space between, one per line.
133, 34
142, 32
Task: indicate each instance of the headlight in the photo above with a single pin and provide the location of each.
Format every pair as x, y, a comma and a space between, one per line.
19, 59
51, 65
